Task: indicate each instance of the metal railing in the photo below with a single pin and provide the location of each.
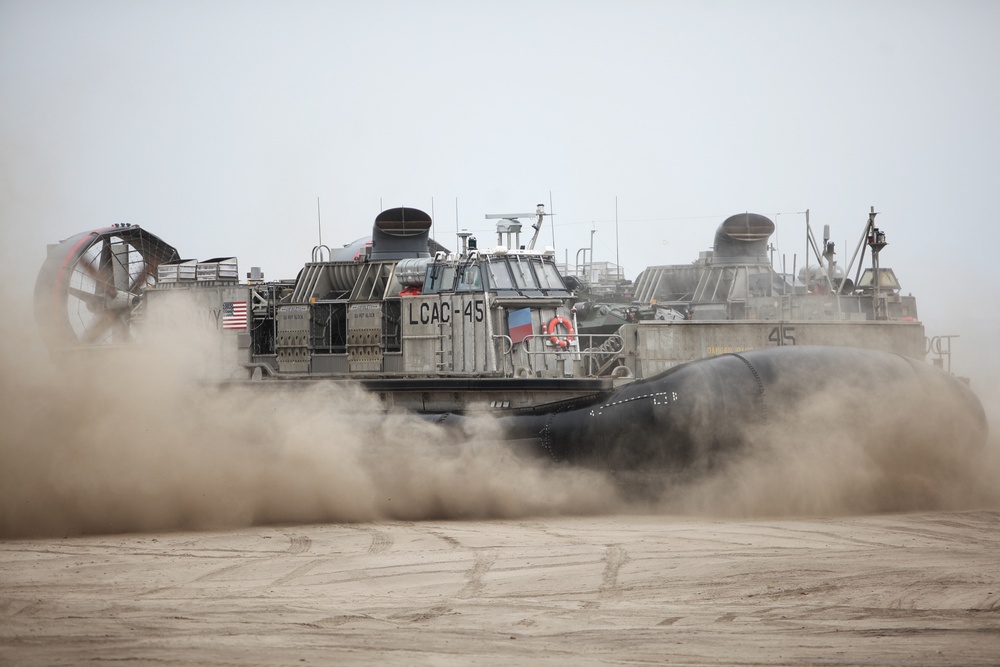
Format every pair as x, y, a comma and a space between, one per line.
543, 355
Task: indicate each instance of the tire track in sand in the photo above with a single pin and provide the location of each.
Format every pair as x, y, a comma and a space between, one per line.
297, 545
614, 558
474, 583
381, 541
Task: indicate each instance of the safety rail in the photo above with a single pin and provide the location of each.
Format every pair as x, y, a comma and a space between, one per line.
587, 359
505, 353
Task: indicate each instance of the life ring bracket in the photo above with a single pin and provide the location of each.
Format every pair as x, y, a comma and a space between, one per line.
557, 339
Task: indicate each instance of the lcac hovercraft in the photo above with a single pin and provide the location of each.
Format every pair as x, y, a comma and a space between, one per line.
446, 334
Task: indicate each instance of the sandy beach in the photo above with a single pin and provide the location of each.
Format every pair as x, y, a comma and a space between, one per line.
914, 589
156, 522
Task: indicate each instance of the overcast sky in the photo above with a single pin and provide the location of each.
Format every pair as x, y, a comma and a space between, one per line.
217, 125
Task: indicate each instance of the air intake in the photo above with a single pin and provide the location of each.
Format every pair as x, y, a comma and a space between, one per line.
400, 233
743, 238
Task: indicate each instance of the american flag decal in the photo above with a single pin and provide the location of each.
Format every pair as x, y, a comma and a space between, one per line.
234, 315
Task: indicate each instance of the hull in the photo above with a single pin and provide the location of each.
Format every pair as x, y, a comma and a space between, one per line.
697, 415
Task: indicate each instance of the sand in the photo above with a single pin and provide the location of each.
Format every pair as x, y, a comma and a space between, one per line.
148, 519
914, 589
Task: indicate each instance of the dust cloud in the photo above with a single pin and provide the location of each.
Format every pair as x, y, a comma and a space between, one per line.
141, 440
845, 452
144, 439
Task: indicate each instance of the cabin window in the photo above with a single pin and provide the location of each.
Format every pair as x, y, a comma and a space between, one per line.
500, 277
549, 277
523, 277
440, 278
470, 278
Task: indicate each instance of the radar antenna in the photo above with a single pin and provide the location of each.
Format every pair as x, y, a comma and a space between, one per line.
511, 226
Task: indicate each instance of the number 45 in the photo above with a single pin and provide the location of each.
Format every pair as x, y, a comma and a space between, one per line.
782, 335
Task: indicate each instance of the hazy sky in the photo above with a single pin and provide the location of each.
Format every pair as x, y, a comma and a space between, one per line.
216, 125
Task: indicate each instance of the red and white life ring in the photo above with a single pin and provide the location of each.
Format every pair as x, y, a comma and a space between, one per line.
552, 331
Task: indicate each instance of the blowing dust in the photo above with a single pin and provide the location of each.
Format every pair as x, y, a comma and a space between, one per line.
844, 451
144, 440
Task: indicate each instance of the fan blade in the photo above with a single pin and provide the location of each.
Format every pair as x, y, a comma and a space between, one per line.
100, 326
140, 280
95, 302
113, 320
93, 269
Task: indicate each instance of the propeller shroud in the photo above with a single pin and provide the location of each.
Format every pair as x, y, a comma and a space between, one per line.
91, 284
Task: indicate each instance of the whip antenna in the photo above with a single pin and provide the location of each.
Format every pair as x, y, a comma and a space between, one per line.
317, 254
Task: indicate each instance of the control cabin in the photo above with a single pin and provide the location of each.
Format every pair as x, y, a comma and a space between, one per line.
445, 329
